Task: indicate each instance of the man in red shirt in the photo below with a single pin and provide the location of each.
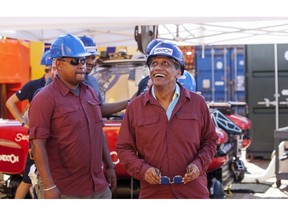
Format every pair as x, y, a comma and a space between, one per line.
66, 130
167, 138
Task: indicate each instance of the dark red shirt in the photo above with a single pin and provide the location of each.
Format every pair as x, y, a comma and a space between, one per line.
169, 145
72, 126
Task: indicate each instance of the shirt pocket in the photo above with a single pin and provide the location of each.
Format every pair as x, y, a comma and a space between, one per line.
148, 129
94, 110
66, 114
147, 121
63, 111
190, 124
188, 116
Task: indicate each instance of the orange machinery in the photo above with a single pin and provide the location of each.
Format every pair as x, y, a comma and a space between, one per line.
14, 71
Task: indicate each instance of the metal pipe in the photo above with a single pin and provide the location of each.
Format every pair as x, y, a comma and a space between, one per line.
276, 88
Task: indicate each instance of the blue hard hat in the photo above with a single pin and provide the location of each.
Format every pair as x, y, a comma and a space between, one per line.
68, 46
46, 58
90, 45
188, 81
170, 50
151, 45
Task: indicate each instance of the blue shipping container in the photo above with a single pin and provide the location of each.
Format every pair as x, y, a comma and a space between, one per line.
220, 74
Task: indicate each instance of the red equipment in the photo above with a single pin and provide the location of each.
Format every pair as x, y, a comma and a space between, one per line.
13, 147
243, 123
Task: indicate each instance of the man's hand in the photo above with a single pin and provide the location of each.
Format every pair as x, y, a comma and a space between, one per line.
152, 176
192, 173
111, 178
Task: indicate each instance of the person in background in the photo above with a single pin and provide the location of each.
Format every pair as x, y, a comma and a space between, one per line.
186, 79
27, 93
66, 129
167, 138
91, 48
107, 108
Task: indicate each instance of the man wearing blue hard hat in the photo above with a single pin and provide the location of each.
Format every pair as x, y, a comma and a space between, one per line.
66, 129
167, 138
91, 48
186, 79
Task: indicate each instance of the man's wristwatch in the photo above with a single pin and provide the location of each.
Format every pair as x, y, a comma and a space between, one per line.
23, 123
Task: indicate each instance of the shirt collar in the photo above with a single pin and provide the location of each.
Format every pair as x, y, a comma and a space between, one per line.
63, 88
176, 93
180, 90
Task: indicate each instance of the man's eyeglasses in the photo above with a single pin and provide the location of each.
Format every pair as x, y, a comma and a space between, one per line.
75, 61
176, 180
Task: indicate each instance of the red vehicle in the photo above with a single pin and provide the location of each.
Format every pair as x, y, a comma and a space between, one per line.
241, 121
13, 152
244, 124
237, 128
13, 146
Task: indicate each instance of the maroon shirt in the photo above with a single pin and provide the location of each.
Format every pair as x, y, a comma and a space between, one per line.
72, 126
189, 136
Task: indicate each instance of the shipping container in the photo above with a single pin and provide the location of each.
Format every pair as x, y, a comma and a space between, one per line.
260, 94
220, 74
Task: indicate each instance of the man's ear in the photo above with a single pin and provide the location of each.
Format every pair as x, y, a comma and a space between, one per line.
178, 73
58, 65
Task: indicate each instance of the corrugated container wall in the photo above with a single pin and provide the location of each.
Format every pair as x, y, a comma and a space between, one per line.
261, 95
220, 74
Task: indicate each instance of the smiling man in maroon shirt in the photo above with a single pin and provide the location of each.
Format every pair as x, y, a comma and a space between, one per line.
167, 138
66, 130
